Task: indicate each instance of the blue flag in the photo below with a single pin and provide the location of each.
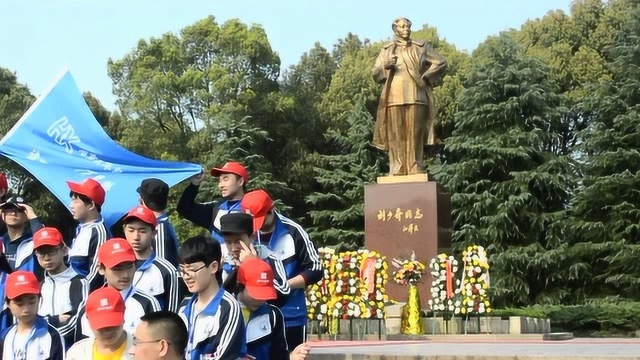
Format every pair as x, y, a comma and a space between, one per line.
59, 139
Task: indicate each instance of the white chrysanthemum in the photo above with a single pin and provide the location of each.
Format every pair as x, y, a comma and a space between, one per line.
352, 289
319, 317
338, 266
430, 302
323, 308
379, 296
482, 292
378, 265
352, 282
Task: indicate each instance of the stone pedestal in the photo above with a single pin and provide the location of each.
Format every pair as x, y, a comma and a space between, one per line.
404, 214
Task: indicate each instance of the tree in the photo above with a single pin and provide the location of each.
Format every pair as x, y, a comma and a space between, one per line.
606, 232
338, 208
508, 187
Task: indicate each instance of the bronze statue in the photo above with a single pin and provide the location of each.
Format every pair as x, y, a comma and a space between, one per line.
405, 120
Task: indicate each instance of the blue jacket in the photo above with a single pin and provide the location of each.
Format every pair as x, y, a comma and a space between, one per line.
44, 342
218, 330
266, 339
291, 243
206, 215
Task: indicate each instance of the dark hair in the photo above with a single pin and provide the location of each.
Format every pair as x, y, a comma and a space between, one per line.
170, 327
85, 199
201, 248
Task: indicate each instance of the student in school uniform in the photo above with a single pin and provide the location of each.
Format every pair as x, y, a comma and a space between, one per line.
237, 230
154, 275
154, 195
291, 243
31, 337
212, 315
21, 221
265, 336
6, 319
105, 311
63, 289
87, 198
116, 262
233, 179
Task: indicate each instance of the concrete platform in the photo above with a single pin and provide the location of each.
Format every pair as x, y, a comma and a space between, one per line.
477, 348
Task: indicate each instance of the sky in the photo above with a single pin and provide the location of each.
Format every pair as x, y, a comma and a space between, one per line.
40, 38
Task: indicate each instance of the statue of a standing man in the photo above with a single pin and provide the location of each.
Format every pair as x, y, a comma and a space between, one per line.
405, 120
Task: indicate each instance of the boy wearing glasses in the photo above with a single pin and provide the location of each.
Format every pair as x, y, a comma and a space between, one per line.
116, 262
106, 316
212, 315
63, 289
21, 221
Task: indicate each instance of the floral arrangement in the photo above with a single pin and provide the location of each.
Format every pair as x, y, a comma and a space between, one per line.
319, 294
445, 286
348, 300
353, 286
375, 266
475, 281
408, 271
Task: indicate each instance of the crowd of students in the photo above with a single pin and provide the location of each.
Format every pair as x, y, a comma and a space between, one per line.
134, 291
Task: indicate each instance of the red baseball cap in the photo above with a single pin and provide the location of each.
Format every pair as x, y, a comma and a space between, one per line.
4, 184
47, 236
90, 188
21, 283
231, 167
114, 252
105, 308
257, 277
257, 203
143, 214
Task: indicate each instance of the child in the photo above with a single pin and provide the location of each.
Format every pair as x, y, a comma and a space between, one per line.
298, 254
154, 195
154, 275
87, 199
212, 315
265, 334
233, 179
21, 222
105, 313
116, 262
63, 289
31, 337
237, 230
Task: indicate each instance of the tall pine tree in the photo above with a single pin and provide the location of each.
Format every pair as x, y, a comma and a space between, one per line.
508, 187
338, 209
606, 232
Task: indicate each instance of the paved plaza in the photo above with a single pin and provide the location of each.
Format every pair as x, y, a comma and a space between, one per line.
460, 349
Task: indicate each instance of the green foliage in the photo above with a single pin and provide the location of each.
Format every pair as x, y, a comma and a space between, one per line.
338, 208
595, 318
508, 186
537, 141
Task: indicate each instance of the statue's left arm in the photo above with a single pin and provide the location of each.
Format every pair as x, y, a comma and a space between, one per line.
435, 64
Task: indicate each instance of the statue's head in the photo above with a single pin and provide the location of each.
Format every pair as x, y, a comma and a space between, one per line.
402, 28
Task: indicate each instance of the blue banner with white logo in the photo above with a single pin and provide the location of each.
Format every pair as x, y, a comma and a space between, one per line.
59, 139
